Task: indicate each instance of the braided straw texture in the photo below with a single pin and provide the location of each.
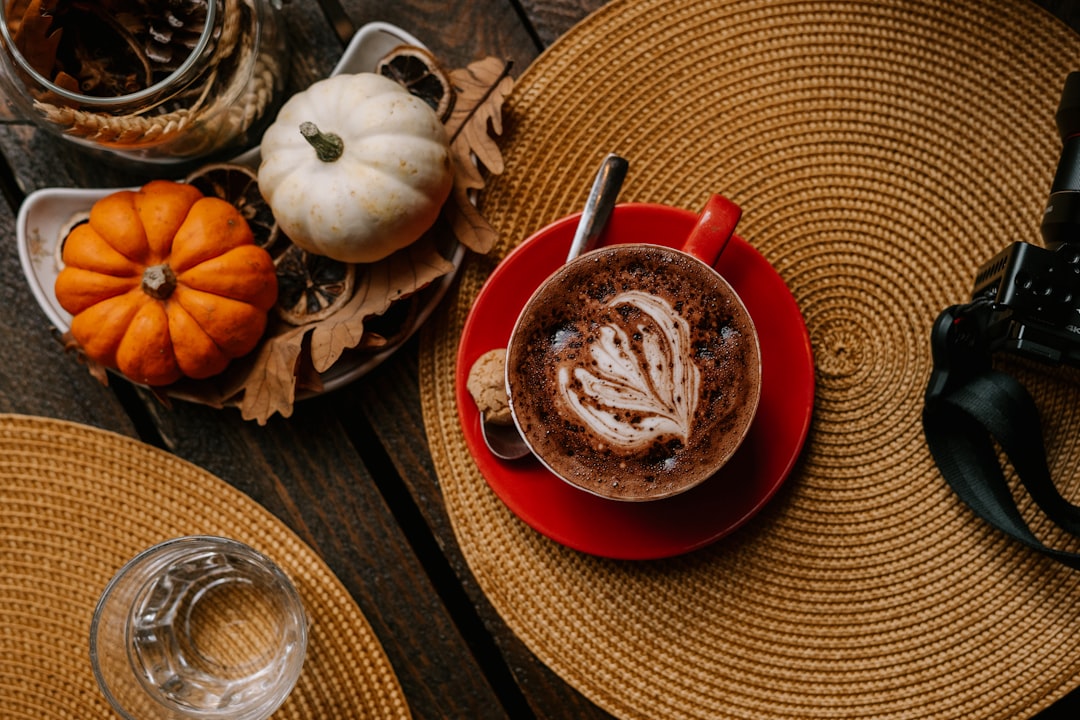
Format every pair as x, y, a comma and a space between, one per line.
881, 151
77, 502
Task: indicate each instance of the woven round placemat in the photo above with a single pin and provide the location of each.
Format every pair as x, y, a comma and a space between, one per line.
881, 151
77, 502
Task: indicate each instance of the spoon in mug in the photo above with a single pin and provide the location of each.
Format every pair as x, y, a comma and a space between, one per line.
599, 205
504, 441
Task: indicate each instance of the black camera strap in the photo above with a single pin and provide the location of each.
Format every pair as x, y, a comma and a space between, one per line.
1024, 301
968, 407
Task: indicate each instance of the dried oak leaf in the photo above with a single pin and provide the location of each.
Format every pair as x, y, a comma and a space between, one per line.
481, 89
34, 35
381, 284
269, 384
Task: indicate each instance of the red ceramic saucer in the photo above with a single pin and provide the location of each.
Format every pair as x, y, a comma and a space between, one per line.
660, 528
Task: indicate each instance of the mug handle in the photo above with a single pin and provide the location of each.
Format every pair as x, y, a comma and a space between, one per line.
713, 230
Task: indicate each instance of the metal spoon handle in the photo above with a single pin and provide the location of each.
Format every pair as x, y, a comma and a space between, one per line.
599, 205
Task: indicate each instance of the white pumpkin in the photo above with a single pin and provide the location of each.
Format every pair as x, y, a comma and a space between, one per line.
355, 167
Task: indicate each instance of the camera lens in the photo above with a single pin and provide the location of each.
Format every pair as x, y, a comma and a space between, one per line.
1068, 113
1061, 220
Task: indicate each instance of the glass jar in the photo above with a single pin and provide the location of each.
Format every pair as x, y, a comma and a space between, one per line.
158, 81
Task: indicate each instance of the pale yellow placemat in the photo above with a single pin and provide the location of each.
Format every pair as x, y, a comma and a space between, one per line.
77, 502
880, 151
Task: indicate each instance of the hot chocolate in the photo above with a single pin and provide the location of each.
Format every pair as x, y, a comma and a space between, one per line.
634, 372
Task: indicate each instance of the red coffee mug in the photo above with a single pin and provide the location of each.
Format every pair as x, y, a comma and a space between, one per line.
634, 371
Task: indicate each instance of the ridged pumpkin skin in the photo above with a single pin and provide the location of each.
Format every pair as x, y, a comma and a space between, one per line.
165, 283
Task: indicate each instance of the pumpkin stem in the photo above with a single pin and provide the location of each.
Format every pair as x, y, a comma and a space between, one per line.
159, 281
328, 146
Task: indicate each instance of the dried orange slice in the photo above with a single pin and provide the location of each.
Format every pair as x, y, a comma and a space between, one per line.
311, 287
239, 185
420, 73
72, 222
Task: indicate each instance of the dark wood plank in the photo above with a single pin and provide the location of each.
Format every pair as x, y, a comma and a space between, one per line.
37, 377
462, 32
390, 402
307, 472
304, 469
391, 406
550, 19
456, 31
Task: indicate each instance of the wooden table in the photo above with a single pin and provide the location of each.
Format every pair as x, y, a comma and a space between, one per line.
350, 471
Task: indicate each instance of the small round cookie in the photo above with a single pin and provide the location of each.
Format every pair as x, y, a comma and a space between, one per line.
487, 385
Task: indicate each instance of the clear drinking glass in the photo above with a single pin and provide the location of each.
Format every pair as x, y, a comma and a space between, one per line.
198, 627
154, 81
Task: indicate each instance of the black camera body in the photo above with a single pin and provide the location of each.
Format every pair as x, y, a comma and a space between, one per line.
1034, 302
1026, 299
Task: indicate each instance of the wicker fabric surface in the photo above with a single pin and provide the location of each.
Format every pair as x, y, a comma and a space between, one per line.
77, 502
881, 151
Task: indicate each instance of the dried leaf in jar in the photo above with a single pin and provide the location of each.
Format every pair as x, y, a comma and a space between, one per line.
106, 48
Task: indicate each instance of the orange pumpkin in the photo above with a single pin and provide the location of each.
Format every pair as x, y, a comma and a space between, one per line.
164, 282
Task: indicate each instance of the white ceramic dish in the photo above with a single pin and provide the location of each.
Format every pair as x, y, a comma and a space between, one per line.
45, 213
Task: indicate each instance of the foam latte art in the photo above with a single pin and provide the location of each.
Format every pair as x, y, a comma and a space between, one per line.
636, 392
633, 372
